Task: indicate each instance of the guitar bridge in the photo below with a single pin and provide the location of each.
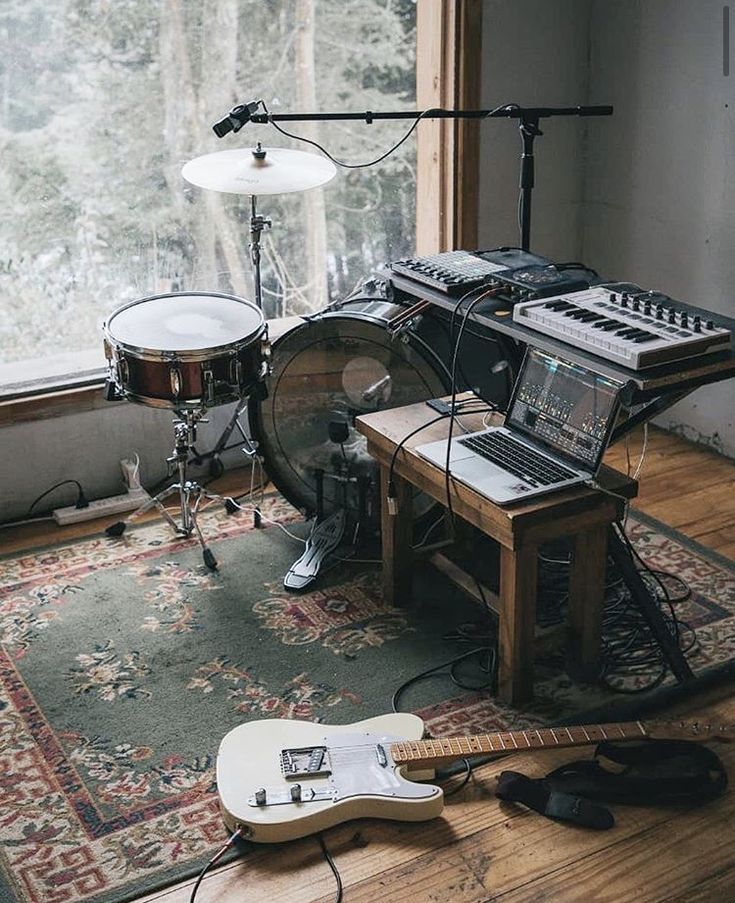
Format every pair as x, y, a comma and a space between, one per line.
305, 762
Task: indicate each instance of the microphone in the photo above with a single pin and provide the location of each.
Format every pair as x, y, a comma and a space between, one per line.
235, 119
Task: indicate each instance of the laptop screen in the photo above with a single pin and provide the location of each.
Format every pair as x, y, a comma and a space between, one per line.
566, 407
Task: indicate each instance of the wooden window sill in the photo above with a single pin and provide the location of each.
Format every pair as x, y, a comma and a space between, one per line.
58, 402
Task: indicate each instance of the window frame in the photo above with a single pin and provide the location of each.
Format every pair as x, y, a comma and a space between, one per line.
448, 69
448, 75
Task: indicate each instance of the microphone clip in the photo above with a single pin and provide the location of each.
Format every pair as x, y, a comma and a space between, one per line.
236, 118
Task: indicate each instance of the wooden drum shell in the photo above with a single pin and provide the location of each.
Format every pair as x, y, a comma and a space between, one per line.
152, 382
194, 378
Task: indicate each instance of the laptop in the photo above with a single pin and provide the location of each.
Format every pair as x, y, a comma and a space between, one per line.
559, 422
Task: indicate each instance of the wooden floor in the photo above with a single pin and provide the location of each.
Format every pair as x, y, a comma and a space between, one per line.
481, 849
686, 487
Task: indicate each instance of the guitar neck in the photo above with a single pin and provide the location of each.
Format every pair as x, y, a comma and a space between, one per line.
433, 753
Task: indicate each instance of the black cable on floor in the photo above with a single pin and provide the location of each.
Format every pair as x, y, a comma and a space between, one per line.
463, 783
213, 861
332, 866
629, 648
448, 669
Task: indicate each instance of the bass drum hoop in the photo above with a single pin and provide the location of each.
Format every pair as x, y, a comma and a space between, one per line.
367, 313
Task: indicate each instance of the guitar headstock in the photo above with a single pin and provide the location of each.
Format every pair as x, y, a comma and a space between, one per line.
698, 731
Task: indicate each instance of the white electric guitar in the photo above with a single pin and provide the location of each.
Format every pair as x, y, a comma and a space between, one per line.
279, 779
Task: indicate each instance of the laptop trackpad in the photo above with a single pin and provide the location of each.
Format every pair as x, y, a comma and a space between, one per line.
475, 469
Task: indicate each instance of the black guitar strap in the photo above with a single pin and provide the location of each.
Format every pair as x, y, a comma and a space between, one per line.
652, 773
536, 794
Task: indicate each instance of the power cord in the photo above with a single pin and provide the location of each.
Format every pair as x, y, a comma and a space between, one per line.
629, 649
449, 669
81, 501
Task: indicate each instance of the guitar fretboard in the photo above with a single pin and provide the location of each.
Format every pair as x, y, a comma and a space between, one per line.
431, 752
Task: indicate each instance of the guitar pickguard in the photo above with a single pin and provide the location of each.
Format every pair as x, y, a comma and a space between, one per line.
342, 766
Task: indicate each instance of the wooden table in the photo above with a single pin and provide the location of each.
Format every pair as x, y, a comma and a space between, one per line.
580, 514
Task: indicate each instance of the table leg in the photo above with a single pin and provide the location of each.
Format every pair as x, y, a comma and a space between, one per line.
586, 599
518, 585
397, 536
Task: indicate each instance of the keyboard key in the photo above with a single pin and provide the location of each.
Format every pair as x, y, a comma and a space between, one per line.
517, 458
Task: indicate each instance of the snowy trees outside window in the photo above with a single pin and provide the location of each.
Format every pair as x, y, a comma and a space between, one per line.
103, 101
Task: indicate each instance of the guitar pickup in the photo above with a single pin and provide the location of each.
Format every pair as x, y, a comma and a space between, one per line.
305, 762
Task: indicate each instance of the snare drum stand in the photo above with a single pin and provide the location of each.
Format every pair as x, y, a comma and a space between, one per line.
190, 492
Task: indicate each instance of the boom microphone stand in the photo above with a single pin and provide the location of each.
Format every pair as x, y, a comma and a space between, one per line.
528, 124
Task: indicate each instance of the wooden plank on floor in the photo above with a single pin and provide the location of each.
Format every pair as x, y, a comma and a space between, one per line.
711, 505
483, 849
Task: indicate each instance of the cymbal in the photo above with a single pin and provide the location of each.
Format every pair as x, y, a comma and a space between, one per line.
272, 170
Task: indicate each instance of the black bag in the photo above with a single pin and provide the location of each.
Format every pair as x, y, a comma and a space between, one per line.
654, 773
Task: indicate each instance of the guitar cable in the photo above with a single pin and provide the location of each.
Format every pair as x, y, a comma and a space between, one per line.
332, 865
214, 860
237, 835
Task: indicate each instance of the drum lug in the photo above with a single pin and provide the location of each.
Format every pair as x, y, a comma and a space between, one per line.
113, 389
176, 381
123, 373
265, 352
208, 386
236, 371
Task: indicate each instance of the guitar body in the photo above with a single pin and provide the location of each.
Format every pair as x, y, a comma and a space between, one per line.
279, 779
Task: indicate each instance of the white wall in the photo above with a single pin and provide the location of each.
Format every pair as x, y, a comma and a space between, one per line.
534, 54
88, 447
660, 185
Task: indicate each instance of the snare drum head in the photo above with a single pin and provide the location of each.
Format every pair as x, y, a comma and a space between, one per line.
324, 374
184, 322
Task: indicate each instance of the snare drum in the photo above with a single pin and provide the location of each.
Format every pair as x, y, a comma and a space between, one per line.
186, 349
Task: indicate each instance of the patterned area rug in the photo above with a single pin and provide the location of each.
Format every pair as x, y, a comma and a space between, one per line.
124, 662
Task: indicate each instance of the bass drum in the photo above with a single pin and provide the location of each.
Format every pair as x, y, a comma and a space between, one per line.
335, 366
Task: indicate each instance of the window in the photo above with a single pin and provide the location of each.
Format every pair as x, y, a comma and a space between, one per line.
102, 103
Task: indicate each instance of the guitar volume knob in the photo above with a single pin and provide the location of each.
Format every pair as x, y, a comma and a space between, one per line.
260, 797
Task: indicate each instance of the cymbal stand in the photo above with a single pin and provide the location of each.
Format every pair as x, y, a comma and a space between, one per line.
190, 492
258, 225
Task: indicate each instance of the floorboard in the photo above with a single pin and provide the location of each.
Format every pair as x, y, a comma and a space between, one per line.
481, 849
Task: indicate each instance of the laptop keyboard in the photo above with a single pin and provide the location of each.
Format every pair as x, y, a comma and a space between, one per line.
517, 458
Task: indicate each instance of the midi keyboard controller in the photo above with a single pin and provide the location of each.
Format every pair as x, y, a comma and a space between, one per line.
625, 324
619, 322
